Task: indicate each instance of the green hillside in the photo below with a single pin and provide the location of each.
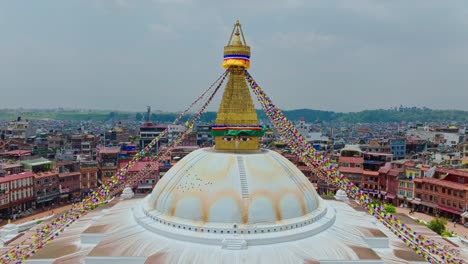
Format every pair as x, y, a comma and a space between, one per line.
412, 114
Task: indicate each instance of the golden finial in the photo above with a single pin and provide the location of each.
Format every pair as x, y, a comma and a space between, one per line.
237, 126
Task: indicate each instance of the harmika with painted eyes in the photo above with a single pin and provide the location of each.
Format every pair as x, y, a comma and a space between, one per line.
239, 138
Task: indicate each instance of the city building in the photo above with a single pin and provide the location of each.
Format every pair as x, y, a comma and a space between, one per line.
204, 138
398, 148
149, 131
21, 192
89, 176
69, 181
146, 183
443, 192
46, 188
108, 160
18, 129
351, 163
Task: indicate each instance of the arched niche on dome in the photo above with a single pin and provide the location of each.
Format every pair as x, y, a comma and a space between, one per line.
225, 210
262, 210
189, 207
291, 207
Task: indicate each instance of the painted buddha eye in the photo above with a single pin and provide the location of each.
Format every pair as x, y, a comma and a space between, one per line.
228, 139
245, 139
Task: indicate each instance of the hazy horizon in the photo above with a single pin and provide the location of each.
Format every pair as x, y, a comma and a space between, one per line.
329, 55
213, 110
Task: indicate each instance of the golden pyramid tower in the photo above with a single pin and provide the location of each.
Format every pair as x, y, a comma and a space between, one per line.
237, 126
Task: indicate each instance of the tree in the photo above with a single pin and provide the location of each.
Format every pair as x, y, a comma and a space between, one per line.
437, 225
390, 208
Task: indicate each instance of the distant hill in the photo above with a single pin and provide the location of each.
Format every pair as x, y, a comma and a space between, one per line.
412, 114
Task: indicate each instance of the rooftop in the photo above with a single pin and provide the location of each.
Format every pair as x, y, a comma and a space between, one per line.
18, 176
351, 159
18, 152
109, 150
45, 174
453, 185
36, 162
350, 170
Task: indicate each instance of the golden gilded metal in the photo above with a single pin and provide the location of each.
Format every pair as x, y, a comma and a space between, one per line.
237, 108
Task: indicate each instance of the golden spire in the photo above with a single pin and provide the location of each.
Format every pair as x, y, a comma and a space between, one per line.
237, 123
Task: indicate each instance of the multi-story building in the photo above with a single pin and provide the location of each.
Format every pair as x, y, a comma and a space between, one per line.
21, 192
398, 148
204, 137
174, 132
17, 129
150, 170
190, 139
4, 198
406, 186
116, 135
69, 186
389, 175
55, 142
41, 143
108, 160
89, 176
445, 193
149, 131
46, 188
69, 180
76, 141
374, 160
415, 146
350, 163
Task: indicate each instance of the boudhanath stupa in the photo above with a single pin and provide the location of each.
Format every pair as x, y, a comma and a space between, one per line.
231, 203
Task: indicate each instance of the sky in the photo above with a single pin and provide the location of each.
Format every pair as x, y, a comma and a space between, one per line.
335, 55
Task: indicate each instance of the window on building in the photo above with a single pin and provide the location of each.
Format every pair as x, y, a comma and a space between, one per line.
443, 200
436, 199
454, 204
443, 190
410, 195
410, 186
455, 193
461, 180
449, 191
402, 184
449, 202
460, 205
436, 189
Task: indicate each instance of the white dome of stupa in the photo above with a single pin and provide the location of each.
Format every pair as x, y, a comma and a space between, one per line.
211, 187
224, 192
